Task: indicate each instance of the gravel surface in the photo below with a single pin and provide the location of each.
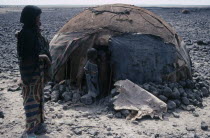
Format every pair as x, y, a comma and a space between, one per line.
67, 119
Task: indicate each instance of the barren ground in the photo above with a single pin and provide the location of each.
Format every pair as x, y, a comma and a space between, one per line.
96, 120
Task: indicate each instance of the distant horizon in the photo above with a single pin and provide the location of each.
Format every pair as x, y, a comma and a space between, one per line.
102, 2
88, 5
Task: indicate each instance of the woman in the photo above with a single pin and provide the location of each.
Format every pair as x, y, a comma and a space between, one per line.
33, 54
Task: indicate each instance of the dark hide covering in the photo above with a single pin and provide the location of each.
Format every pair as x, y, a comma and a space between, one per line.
142, 58
108, 25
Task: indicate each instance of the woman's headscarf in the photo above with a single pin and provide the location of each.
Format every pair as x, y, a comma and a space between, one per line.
29, 14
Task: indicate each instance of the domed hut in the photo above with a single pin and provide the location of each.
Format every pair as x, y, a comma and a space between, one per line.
133, 43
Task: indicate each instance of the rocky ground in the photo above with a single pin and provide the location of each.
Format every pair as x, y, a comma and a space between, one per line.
73, 119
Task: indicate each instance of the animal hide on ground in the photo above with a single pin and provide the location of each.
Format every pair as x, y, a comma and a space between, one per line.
138, 100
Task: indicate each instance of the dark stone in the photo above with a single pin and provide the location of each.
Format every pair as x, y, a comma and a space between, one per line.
201, 84
118, 115
178, 102
56, 87
55, 96
1, 114
110, 115
190, 84
194, 102
176, 115
167, 92
47, 97
195, 114
67, 96
188, 128
205, 91
77, 131
182, 83
86, 99
190, 108
93, 132
62, 88
175, 94
191, 96
163, 98
156, 93
135, 122
171, 85
65, 107
114, 92
200, 42
76, 97
185, 101
184, 94
152, 88
188, 91
185, 11
125, 112
109, 129
47, 88
204, 126
14, 88
146, 86
184, 107
171, 105
181, 91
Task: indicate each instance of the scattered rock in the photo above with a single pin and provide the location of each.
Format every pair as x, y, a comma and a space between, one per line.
109, 129
62, 88
47, 97
135, 122
118, 115
55, 96
182, 83
77, 131
76, 97
167, 92
163, 98
181, 91
110, 115
1, 121
204, 126
114, 92
205, 91
125, 112
59, 116
93, 132
178, 102
176, 115
86, 99
185, 101
190, 108
200, 42
47, 88
185, 11
14, 88
175, 94
67, 96
51, 109
171, 105
190, 128
56, 87
65, 107
184, 107
195, 114
1, 114
109, 134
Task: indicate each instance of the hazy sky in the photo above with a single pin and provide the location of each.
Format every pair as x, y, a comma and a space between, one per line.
91, 2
